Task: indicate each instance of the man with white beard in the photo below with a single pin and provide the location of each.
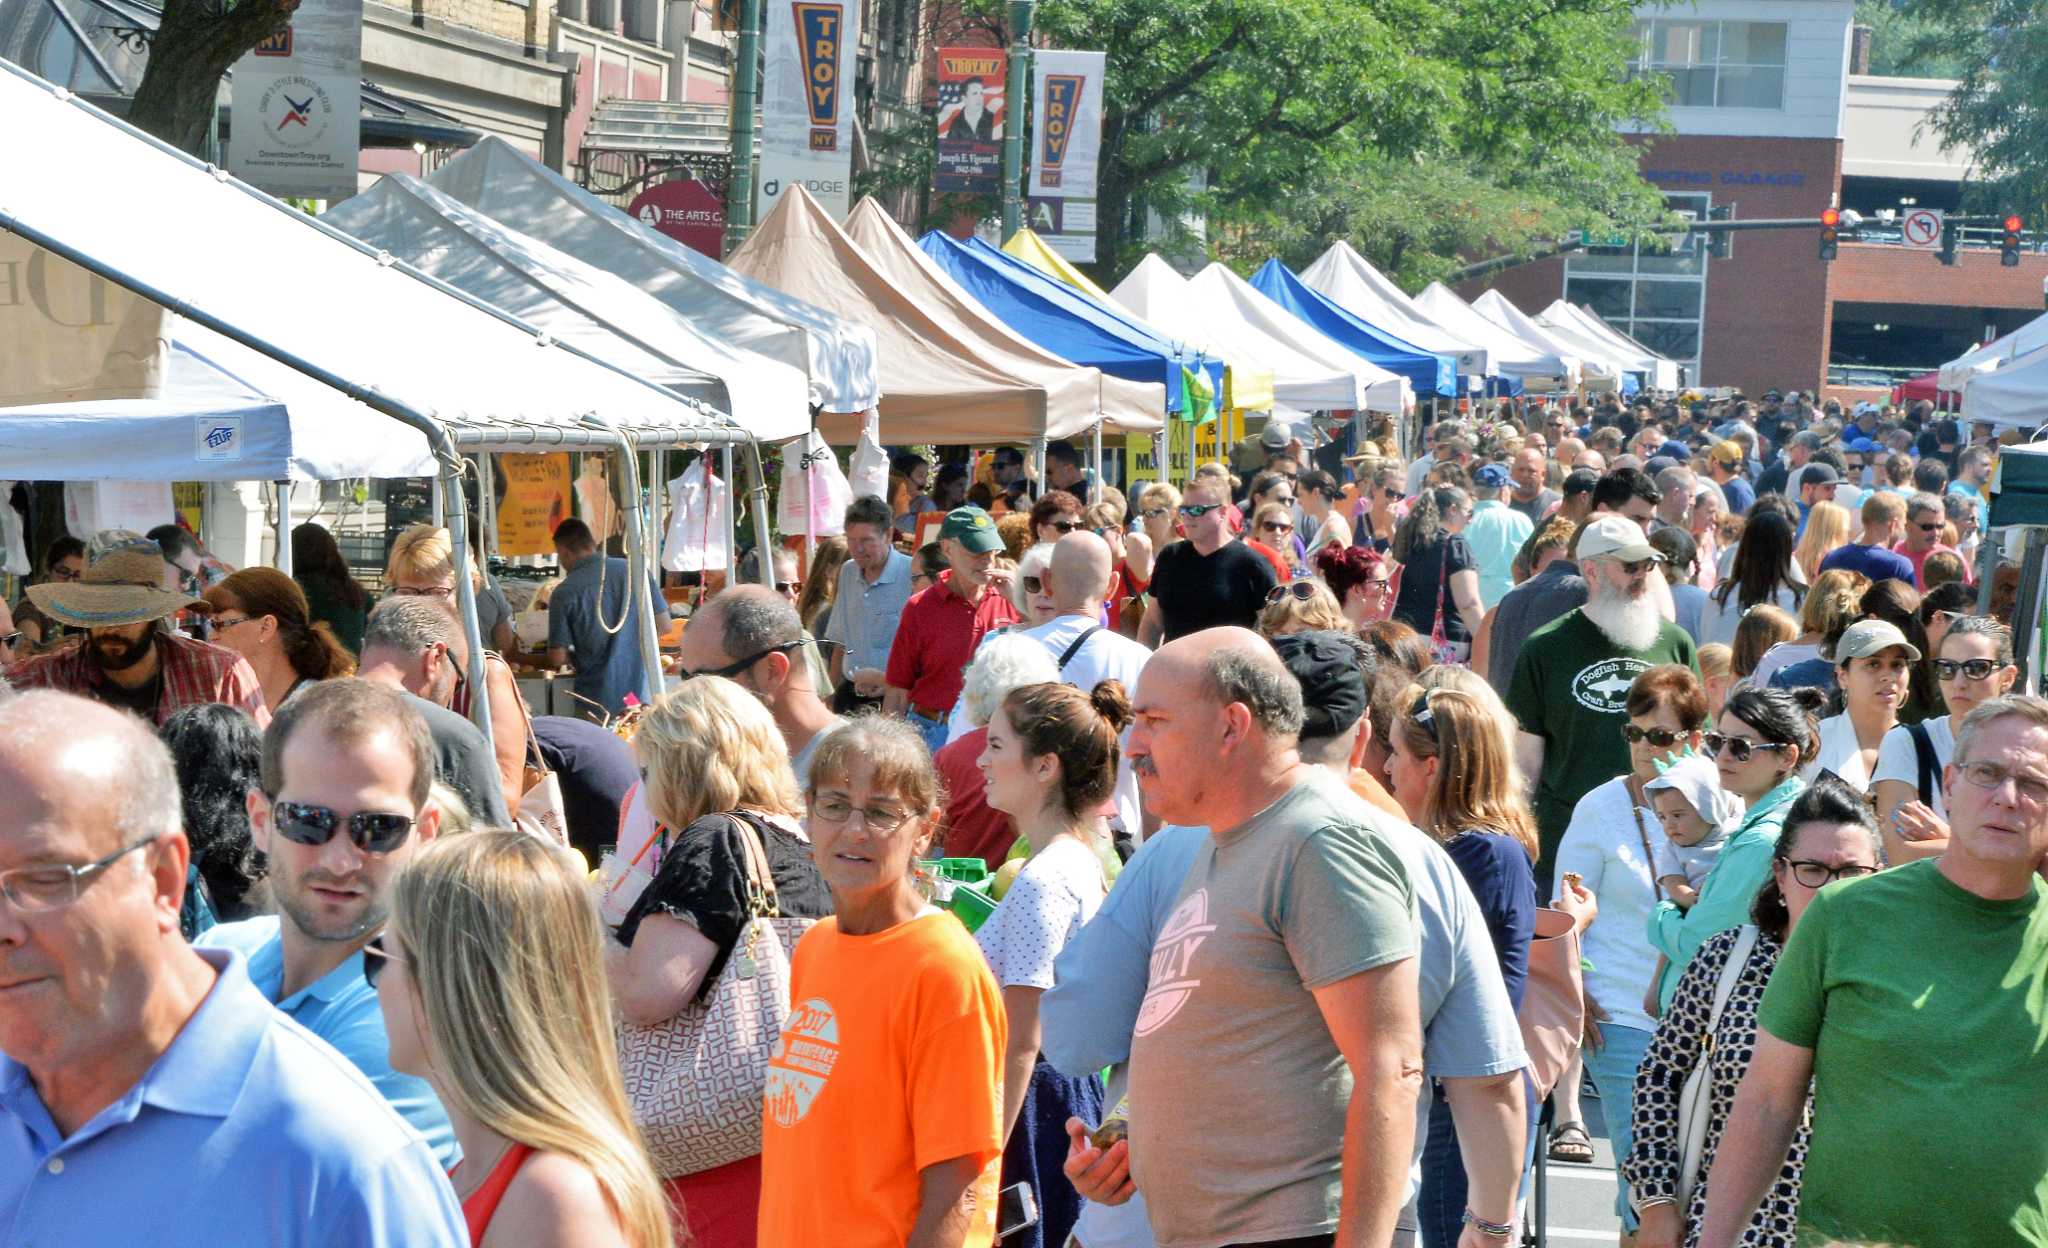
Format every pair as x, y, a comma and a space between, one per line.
1569, 691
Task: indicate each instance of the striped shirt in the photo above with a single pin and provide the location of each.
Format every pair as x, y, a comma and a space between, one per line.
192, 673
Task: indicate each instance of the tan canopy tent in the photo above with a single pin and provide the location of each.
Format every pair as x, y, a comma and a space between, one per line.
940, 381
1133, 406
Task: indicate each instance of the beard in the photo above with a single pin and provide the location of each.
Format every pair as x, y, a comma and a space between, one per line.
111, 652
1630, 623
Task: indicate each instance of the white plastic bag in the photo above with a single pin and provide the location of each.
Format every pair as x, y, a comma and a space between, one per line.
810, 471
870, 467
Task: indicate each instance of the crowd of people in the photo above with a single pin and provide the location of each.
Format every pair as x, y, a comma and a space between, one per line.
1343, 810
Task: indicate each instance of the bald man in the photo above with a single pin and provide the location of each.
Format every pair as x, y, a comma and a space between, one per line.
142, 1079
1288, 958
752, 635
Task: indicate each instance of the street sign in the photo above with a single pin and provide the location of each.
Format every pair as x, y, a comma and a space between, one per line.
1921, 228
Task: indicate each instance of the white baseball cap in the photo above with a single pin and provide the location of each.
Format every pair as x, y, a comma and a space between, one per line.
1616, 537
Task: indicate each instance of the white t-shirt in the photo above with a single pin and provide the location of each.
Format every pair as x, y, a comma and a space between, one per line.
1897, 759
1602, 845
1780, 657
1058, 890
1718, 620
1840, 753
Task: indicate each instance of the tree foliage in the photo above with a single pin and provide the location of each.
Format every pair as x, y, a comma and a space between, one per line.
195, 43
1900, 41
1999, 52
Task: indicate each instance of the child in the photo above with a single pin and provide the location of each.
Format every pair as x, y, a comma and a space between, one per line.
1697, 816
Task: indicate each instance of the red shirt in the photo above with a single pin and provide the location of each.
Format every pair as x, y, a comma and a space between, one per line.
193, 673
974, 829
935, 642
1919, 563
1280, 568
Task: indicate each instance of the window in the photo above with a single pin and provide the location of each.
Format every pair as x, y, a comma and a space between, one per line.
1714, 64
1656, 295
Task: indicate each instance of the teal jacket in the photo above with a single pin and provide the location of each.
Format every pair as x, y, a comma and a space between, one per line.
1726, 893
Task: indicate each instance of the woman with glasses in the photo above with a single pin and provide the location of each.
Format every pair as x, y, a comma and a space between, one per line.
1028, 590
262, 615
1828, 836
1055, 515
1299, 607
1764, 571
1318, 493
884, 1107
1273, 528
1976, 665
1439, 578
491, 978
1049, 762
1761, 740
1452, 769
1158, 508
63, 561
1610, 845
1380, 515
716, 771
1361, 580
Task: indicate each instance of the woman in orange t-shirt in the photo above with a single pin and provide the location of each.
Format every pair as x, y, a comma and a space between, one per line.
882, 1122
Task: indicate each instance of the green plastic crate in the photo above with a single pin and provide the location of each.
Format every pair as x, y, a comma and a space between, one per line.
970, 905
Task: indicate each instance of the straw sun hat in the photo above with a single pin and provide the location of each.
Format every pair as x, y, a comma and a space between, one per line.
124, 585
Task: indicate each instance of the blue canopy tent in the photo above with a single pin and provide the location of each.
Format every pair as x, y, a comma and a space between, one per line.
1429, 373
1066, 322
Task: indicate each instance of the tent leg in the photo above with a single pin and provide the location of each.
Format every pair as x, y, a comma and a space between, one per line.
657, 497
1162, 451
732, 537
1038, 462
1095, 454
760, 509
465, 589
810, 518
440, 496
487, 501
284, 527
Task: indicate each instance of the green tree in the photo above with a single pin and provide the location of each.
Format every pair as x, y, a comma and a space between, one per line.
1900, 41
1999, 51
196, 41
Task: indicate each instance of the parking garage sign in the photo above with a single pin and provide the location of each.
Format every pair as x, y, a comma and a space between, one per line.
1921, 228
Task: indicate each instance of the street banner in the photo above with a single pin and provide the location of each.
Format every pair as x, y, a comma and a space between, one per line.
807, 103
1066, 149
971, 116
536, 500
72, 335
686, 210
296, 110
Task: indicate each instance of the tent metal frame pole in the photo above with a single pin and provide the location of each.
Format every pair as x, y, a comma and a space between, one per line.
1095, 453
283, 561
1038, 463
440, 503
634, 528
487, 502
732, 536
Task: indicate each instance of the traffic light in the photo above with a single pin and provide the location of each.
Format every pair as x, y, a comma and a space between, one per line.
1830, 232
1718, 240
2009, 248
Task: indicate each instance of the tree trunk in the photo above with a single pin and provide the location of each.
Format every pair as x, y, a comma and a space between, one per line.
194, 46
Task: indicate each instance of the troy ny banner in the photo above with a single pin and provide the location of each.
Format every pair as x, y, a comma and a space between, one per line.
807, 103
1066, 149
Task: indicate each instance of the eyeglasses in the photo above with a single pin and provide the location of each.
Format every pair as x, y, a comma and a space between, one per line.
1153, 513
1928, 528
1975, 669
1032, 584
1662, 738
1064, 526
1636, 567
375, 958
1375, 585
1424, 718
10, 640
881, 820
33, 889
423, 591
1992, 776
1819, 874
1739, 748
373, 831
733, 669
64, 572
1277, 526
1195, 511
1300, 591
221, 623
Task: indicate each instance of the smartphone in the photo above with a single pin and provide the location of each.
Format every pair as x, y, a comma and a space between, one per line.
1016, 1210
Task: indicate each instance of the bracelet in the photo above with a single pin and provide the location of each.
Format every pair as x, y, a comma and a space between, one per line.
1499, 1230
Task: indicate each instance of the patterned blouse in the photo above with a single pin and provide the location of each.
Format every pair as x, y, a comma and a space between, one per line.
1651, 1169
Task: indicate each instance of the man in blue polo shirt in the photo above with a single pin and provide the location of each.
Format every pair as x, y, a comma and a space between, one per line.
148, 1093
1884, 526
590, 625
346, 766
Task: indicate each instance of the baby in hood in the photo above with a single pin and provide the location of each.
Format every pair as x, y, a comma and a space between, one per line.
1697, 818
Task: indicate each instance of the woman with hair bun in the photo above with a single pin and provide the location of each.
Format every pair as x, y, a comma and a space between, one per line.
1361, 579
261, 614
1050, 764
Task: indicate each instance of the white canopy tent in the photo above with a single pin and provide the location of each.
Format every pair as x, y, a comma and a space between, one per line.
1321, 373
837, 354
576, 302
458, 374
1349, 280
1994, 356
1662, 373
1599, 370
2013, 397
1535, 366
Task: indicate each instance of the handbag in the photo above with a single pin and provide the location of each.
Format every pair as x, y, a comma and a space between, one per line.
695, 1081
1441, 647
1695, 1100
1553, 1013
542, 812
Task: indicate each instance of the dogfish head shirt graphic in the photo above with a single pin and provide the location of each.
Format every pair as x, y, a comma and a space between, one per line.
890, 1061
1238, 1092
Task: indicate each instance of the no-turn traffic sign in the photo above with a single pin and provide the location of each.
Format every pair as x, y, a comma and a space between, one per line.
1922, 228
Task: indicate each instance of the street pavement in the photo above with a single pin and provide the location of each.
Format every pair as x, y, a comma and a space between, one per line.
1581, 1198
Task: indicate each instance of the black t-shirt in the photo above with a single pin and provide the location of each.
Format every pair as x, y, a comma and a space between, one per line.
703, 881
1425, 576
596, 769
464, 762
1197, 591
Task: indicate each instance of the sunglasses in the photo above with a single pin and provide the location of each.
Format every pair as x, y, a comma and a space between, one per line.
62, 573
1033, 584
427, 591
10, 640
1975, 669
375, 958
1153, 513
1277, 526
1662, 738
733, 669
1064, 526
1928, 528
373, 831
1300, 591
1739, 748
1636, 567
1195, 511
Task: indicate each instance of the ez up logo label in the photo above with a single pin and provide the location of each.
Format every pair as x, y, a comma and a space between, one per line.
818, 34
1062, 95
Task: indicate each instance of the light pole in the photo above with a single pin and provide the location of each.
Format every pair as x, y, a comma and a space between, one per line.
1014, 95
746, 98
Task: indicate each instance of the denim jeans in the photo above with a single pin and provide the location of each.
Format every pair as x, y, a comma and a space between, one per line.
932, 730
1613, 1071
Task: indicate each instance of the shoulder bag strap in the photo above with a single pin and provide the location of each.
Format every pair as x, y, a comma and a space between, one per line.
1738, 957
1643, 835
1930, 768
760, 878
1067, 656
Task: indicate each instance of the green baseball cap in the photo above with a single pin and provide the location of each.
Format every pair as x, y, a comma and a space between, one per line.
972, 528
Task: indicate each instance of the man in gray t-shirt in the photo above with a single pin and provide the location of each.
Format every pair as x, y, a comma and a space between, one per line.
1279, 1046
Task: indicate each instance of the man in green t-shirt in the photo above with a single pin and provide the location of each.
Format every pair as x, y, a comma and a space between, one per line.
1913, 1002
1569, 691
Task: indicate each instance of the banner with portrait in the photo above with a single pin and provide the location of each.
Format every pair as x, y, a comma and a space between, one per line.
971, 115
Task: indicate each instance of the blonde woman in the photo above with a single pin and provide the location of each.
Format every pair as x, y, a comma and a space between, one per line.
1301, 606
1827, 529
422, 565
1158, 514
717, 770
490, 975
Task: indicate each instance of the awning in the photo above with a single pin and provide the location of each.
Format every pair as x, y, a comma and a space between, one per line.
1426, 371
1599, 370
1994, 355
1351, 282
1509, 353
1660, 372
1309, 370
